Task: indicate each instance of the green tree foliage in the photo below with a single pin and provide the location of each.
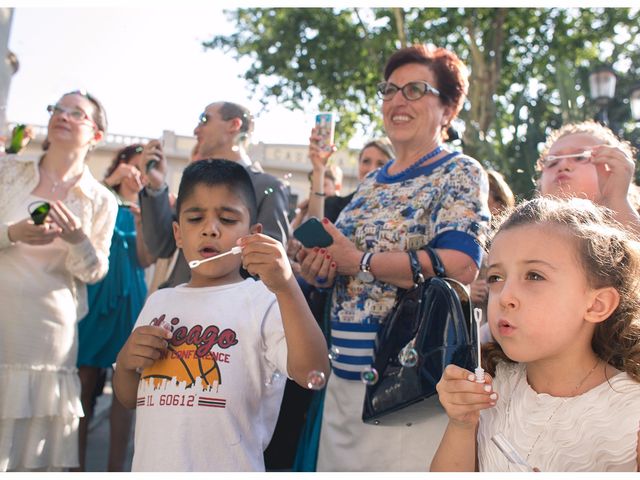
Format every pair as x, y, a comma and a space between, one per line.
529, 67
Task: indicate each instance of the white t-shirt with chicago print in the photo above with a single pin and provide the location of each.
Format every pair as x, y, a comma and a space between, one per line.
211, 403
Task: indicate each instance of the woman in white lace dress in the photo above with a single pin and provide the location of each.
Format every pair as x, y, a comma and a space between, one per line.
44, 270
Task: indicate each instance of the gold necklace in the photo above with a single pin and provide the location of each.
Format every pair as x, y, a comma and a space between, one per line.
555, 410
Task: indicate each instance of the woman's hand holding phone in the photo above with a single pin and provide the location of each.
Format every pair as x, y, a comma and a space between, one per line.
26, 231
340, 257
317, 267
318, 155
155, 164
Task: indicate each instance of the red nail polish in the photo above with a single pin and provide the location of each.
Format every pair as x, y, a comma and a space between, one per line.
328, 257
333, 264
322, 250
325, 220
315, 249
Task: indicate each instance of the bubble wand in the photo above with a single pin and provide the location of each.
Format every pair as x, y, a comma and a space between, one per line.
509, 451
233, 251
479, 371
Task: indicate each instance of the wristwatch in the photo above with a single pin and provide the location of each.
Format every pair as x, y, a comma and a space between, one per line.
365, 275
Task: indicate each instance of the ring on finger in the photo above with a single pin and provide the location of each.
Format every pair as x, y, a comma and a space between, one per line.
321, 279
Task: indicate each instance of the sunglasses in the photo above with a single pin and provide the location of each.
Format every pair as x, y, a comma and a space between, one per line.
411, 91
203, 118
551, 161
38, 211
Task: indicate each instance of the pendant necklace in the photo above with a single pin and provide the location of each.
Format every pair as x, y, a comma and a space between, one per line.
55, 184
555, 410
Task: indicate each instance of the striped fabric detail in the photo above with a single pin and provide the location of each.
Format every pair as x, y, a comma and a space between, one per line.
354, 343
212, 402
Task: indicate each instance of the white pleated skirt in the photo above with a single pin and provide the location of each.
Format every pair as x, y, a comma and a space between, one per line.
348, 444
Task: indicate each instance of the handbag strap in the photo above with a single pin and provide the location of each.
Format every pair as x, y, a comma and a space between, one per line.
436, 263
416, 268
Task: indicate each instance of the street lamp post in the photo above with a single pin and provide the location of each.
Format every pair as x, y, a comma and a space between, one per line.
602, 84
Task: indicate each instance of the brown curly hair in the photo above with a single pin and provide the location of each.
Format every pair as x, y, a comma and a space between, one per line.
610, 257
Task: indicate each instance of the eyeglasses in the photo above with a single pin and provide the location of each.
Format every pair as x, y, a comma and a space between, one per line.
203, 118
551, 161
411, 91
74, 114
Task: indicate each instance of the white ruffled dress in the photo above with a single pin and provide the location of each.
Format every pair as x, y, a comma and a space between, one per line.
39, 385
593, 432
42, 296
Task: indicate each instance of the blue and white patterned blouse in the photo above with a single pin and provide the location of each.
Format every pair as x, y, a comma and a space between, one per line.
443, 205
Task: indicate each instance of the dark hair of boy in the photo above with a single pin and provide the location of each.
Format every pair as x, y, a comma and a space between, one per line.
214, 172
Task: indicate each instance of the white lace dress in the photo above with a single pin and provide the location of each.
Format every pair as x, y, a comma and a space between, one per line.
41, 298
593, 432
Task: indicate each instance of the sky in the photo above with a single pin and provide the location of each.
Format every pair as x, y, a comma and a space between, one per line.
146, 65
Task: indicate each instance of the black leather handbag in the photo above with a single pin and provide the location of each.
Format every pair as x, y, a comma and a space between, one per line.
429, 327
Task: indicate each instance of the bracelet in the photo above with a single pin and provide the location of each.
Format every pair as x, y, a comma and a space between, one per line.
320, 194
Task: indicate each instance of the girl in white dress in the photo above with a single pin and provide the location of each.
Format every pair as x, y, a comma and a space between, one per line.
43, 272
564, 308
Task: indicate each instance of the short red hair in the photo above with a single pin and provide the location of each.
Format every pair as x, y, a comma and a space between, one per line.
451, 74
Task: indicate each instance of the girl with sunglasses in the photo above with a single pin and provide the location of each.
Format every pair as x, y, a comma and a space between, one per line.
44, 269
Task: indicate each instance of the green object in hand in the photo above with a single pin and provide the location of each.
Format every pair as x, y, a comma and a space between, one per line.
39, 211
16, 140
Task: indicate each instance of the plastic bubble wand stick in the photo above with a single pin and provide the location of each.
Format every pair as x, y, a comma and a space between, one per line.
510, 452
233, 251
479, 371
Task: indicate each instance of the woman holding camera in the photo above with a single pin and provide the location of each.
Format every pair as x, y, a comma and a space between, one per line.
427, 195
44, 269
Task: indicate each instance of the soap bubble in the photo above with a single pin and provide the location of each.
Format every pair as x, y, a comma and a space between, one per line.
369, 376
273, 379
316, 380
408, 356
334, 353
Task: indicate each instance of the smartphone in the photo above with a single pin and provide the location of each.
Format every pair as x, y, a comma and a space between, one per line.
16, 139
151, 164
312, 234
326, 126
39, 211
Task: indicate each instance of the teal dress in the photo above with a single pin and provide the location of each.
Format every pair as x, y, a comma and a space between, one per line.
115, 301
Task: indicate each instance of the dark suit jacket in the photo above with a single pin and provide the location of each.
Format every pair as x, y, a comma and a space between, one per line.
157, 217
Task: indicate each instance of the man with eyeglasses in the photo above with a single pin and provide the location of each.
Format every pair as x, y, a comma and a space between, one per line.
223, 131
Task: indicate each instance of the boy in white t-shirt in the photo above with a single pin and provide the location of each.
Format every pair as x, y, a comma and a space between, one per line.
214, 353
